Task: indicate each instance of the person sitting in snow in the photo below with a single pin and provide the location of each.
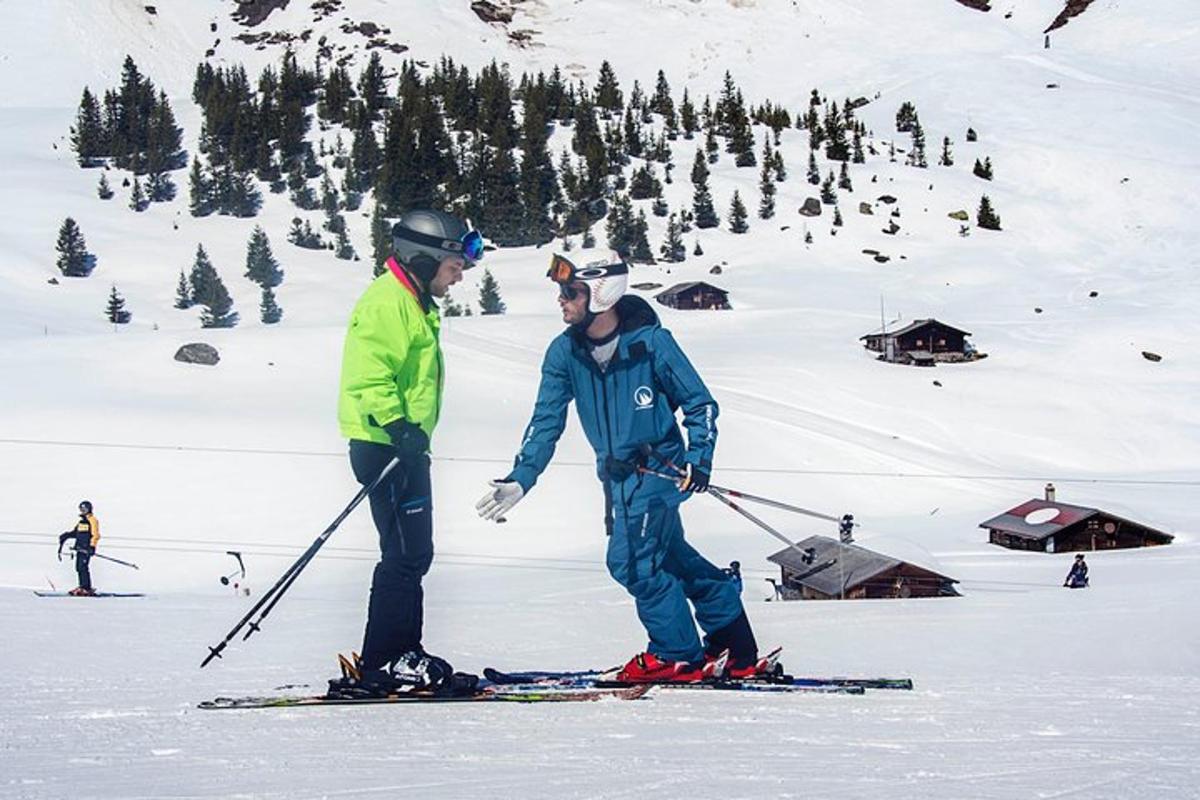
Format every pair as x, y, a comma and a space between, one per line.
1077, 578
86, 536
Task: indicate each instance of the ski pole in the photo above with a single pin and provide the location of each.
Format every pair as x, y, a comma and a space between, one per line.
720, 492
110, 558
289, 576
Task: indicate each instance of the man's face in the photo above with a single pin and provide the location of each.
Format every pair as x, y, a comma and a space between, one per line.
449, 272
574, 309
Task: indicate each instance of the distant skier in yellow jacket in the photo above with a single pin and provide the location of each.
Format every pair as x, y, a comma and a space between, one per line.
86, 535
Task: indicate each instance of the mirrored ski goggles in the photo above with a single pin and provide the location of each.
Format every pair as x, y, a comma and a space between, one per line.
562, 271
470, 246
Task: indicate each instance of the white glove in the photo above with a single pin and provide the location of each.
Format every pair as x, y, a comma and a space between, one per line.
500, 500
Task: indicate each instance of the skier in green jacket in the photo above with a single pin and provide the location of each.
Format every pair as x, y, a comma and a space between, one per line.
391, 394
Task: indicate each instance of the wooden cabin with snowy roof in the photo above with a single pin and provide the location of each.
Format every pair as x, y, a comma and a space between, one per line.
827, 569
1050, 526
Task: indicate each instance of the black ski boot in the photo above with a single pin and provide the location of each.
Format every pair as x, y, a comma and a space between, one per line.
738, 639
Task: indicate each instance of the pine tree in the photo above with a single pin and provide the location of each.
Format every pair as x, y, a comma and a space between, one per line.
88, 137
972, 136
261, 266
984, 169
828, 195
202, 278
837, 216
183, 295
766, 187
115, 309
687, 116
381, 240
906, 117
268, 310
343, 249
218, 308
137, 198
659, 207
814, 174
844, 179
917, 157
641, 241
697, 250
673, 249
780, 170
199, 191
620, 226
589, 239
607, 91
74, 261
947, 159
857, 149
103, 190
702, 203
737, 214
986, 217
489, 295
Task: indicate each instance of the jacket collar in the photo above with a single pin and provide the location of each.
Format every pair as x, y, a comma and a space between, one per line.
406, 280
636, 319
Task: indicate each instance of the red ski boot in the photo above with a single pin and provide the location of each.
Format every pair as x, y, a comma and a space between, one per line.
649, 668
763, 668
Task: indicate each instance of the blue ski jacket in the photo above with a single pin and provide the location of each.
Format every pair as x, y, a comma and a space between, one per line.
630, 404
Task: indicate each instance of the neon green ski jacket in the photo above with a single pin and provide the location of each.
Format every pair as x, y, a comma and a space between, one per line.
391, 362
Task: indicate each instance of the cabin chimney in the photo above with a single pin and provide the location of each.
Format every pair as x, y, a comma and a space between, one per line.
1049, 492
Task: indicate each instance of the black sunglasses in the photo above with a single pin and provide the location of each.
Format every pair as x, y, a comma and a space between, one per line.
568, 292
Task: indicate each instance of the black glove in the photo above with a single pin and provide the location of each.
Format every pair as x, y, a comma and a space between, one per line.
694, 480
409, 441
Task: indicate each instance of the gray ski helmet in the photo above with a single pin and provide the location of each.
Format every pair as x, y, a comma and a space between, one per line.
423, 237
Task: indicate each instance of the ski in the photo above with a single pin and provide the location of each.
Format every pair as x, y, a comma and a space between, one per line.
765, 687
512, 694
41, 593
591, 677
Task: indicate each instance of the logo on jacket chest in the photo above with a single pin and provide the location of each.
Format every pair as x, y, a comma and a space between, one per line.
643, 398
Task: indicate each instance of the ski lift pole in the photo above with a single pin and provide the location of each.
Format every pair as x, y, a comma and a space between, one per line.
291, 573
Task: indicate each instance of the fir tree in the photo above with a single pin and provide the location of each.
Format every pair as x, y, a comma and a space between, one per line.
589, 239
103, 190
137, 198
828, 195
697, 250
837, 216
202, 278
766, 187
343, 249
607, 91
381, 240
906, 117
857, 149
489, 295
88, 134
972, 136
947, 159
710, 143
659, 207
814, 174
687, 117
199, 191
917, 157
268, 310
702, 203
844, 179
984, 169
183, 294
737, 214
641, 242
780, 170
261, 266
987, 218
620, 227
74, 261
115, 309
673, 249
218, 309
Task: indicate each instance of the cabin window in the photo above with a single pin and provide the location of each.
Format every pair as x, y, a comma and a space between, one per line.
920, 342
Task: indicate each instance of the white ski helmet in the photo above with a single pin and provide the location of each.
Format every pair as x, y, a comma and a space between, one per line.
606, 279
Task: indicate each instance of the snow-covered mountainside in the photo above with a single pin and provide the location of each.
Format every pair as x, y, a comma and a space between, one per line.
1023, 689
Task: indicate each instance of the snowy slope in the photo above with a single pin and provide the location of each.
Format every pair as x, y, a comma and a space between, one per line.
1095, 185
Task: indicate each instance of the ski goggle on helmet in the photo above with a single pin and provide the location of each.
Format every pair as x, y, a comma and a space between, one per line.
606, 280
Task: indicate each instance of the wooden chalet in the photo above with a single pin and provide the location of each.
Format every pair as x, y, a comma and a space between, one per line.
922, 342
831, 570
694, 294
1049, 526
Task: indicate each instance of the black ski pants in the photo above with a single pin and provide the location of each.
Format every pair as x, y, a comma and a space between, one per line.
402, 507
82, 557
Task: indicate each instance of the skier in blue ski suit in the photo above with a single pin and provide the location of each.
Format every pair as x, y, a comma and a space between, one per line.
627, 387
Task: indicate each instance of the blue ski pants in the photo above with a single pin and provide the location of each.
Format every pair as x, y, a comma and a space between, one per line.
648, 555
